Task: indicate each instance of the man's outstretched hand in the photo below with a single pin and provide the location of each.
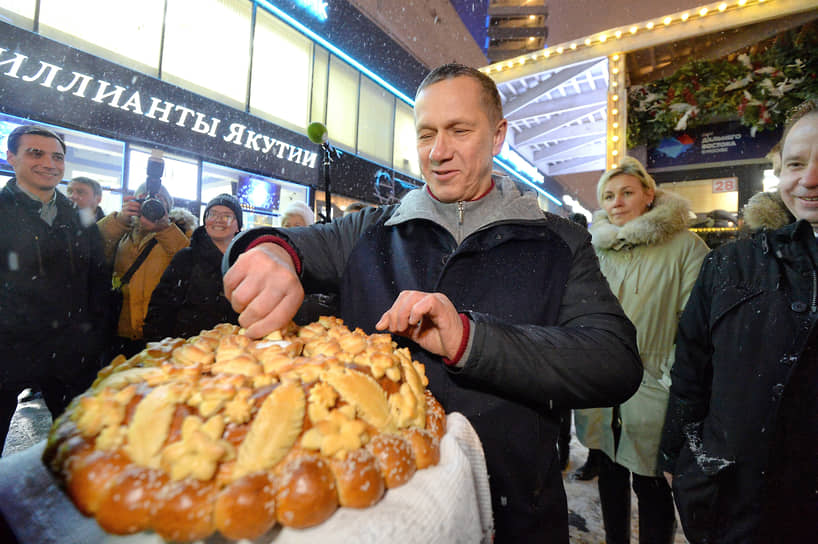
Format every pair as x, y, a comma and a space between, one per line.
429, 319
264, 288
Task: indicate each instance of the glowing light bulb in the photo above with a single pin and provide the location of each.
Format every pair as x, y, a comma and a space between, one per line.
560, 50
547, 53
618, 34
602, 38
703, 12
615, 57
587, 41
615, 125
742, 2
667, 20
722, 6
573, 46
633, 30
615, 71
685, 16
614, 152
649, 26
615, 97
614, 111
614, 138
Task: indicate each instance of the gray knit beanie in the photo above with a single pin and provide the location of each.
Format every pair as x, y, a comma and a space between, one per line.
229, 201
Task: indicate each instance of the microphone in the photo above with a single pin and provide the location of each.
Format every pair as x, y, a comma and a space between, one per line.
317, 133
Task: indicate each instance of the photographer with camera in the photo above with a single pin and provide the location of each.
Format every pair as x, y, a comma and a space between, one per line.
140, 241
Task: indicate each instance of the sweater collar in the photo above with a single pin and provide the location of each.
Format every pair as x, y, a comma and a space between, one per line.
503, 202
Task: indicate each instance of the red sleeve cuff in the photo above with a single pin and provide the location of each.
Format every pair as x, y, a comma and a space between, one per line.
281, 242
464, 341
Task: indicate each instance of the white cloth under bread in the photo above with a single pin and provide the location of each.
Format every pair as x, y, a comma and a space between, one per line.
445, 504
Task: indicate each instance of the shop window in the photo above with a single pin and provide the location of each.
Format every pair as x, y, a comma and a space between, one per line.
207, 48
375, 121
94, 157
125, 32
405, 149
706, 195
19, 13
320, 67
261, 198
282, 66
98, 158
180, 177
769, 181
342, 103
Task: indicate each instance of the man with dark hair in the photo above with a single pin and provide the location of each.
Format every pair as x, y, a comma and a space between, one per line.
504, 305
53, 299
86, 194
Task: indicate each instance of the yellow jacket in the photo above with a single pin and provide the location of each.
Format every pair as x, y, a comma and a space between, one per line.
122, 247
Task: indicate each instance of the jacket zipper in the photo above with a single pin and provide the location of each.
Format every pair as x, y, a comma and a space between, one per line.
814, 300
461, 206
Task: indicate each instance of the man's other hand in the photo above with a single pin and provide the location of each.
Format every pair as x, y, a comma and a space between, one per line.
429, 319
263, 287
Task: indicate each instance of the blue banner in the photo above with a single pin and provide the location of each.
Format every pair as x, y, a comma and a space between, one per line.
723, 142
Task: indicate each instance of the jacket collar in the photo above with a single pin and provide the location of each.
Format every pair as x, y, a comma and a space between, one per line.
669, 216
767, 210
13, 191
503, 202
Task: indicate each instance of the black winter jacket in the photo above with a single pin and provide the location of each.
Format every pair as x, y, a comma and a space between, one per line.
546, 330
740, 339
54, 293
190, 296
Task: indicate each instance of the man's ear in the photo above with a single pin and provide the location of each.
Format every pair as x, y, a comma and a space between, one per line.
499, 136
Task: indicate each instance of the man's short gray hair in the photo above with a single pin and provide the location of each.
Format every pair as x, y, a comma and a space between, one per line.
491, 96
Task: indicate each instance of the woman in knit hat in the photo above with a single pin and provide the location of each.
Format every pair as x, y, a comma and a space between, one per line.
190, 296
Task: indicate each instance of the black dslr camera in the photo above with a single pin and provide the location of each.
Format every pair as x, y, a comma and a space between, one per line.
152, 208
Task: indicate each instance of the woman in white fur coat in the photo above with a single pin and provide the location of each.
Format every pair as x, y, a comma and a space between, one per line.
651, 261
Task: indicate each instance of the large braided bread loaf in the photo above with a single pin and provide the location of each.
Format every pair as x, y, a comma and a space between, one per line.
224, 433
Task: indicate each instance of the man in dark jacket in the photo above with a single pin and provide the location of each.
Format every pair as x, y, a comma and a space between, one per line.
741, 431
53, 280
504, 305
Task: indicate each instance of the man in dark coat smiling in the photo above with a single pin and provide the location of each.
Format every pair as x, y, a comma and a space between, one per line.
504, 305
54, 284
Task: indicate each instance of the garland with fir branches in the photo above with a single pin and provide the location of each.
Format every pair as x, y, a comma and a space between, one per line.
756, 89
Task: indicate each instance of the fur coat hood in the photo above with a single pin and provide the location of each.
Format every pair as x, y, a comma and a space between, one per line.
670, 214
185, 220
766, 210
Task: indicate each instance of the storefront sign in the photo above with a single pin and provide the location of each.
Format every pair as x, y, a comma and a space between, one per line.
50, 82
64, 86
724, 142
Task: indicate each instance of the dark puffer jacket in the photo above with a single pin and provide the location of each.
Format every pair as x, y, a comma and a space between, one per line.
741, 341
54, 292
546, 330
190, 296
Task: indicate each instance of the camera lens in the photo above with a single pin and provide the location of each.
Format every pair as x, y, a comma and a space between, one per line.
153, 209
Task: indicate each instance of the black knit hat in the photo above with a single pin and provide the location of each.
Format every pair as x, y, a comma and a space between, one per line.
230, 201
